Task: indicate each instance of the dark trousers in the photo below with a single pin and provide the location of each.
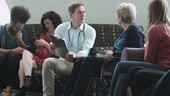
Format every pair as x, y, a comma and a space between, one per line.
141, 79
124, 66
9, 65
161, 87
83, 71
149, 82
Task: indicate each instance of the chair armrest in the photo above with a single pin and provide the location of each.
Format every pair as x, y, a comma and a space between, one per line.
132, 54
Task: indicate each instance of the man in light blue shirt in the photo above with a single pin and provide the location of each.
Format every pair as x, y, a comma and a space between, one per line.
79, 38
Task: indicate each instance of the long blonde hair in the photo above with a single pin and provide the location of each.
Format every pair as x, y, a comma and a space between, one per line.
158, 12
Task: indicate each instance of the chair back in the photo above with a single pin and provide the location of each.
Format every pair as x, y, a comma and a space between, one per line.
132, 54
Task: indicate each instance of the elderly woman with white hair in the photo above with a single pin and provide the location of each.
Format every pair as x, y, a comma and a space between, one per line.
86, 68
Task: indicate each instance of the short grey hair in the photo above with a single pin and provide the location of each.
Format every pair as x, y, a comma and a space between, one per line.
127, 11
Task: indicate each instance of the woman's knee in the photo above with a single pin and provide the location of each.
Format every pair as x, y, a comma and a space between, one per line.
27, 53
120, 65
128, 64
46, 63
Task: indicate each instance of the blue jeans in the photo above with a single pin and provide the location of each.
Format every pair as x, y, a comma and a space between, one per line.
123, 67
120, 88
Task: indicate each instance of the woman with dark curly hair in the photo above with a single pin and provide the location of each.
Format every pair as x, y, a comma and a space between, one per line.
49, 21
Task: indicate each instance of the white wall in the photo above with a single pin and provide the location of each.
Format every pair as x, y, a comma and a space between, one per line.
98, 11
4, 13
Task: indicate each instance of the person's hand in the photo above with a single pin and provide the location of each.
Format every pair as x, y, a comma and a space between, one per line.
18, 50
109, 53
52, 48
70, 56
19, 36
40, 42
146, 44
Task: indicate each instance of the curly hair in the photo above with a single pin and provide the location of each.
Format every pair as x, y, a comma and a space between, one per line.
19, 14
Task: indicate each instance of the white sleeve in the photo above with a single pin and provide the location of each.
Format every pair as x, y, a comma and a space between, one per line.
88, 43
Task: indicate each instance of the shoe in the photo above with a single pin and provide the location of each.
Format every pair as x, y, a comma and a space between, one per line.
28, 82
8, 91
20, 92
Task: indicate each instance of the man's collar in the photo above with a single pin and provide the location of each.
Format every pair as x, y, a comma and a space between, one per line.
70, 26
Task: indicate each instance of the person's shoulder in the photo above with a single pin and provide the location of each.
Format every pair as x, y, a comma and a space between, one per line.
2, 25
136, 27
89, 26
2, 28
156, 30
156, 26
64, 24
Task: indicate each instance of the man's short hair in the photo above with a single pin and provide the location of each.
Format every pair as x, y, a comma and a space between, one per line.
19, 14
72, 7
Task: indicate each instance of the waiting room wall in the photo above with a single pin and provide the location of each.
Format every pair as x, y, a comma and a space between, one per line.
98, 11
